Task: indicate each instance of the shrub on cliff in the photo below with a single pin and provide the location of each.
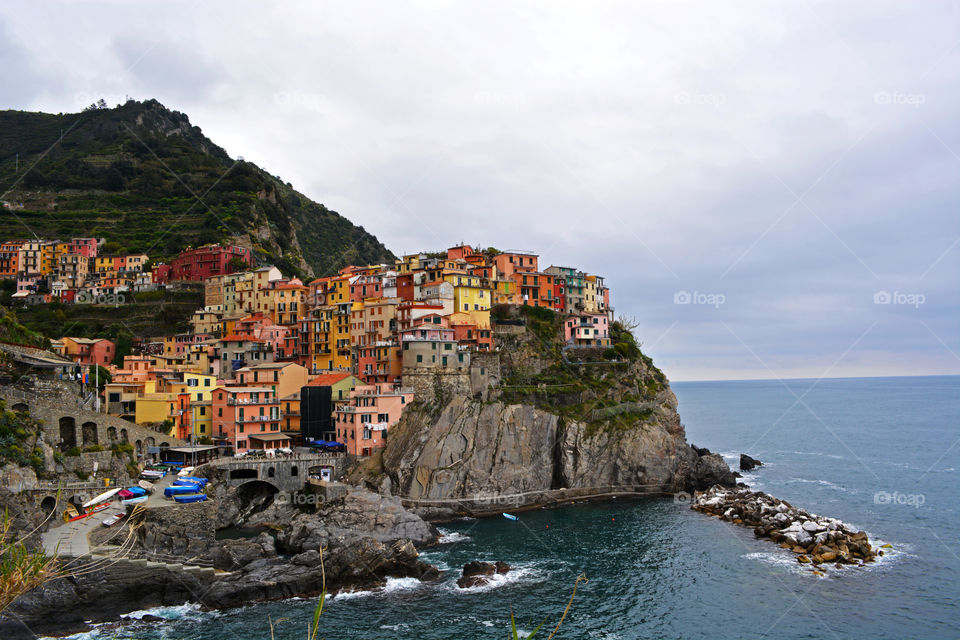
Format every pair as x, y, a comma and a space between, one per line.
19, 437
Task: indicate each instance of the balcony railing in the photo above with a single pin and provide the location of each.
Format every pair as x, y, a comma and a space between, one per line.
241, 401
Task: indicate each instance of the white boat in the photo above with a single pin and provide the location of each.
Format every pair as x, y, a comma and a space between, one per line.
114, 519
137, 500
185, 472
103, 497
146, 486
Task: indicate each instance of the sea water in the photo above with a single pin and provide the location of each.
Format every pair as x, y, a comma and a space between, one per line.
881, 454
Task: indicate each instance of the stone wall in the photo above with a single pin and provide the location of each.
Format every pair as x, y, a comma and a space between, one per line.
66, 425
482, 379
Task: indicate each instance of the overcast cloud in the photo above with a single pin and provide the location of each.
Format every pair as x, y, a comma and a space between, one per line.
785, 162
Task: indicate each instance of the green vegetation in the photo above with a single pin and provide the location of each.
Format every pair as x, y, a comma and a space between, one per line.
615, 391
153, 313
11, 330
93, 448
133, 174
120, 448
20, 435
21, 568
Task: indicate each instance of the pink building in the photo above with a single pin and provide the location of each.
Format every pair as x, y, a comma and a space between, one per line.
587, 330
84, 246
247, 418
363, 422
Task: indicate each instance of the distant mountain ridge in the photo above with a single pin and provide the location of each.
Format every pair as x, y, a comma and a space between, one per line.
144, 178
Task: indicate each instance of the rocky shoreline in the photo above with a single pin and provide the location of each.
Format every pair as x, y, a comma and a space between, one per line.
817, 540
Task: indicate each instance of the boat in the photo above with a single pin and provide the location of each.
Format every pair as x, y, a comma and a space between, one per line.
88, 512
190, 497
185, 471
137, 500
148, 474
137, 490
103, 497
200, 481
180, 489
70, 512
146, 485
114, 519
510, 516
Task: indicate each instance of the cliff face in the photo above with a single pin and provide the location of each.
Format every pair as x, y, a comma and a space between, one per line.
554, 423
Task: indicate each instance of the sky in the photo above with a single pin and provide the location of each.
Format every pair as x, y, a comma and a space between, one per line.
770, 189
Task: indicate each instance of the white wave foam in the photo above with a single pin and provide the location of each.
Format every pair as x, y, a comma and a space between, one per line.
400, 584
168, 613
823, 483
516, 574
393, 585
812, 453
448, 537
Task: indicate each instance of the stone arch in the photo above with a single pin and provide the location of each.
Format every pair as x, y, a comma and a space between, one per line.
151, 442
271, 472
48, 504
256, 495
20, 407
139, 447
164, 445
89, 431
68, 433
112, 434
123, 436
243, 474
294, 471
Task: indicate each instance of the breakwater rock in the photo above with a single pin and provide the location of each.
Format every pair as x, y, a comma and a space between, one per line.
816, 540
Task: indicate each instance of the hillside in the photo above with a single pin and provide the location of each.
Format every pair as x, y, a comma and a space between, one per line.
133, 174
563, 423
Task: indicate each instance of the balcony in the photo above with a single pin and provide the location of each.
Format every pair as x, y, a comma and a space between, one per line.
259, 419
240, 401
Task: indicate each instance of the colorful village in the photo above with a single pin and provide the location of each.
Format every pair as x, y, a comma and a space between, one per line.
274, 363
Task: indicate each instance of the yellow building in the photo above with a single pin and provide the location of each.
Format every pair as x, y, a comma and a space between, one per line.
285, 378
156, 408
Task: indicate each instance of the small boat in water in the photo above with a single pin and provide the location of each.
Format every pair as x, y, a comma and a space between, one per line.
114, 519
190, 497
510, 516
137, 500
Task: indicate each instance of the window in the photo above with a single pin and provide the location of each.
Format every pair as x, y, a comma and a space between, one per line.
219, 412
419, 358
241, 428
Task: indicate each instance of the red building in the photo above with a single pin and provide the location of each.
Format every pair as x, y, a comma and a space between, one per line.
161, 273
209, 260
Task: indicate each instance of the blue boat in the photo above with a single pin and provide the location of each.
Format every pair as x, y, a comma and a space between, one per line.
201, 481
183, 482
180, 490
137, 491
190, 497
510, 516
131, 501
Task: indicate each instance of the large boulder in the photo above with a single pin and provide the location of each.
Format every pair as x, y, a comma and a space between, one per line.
747, 463
477, 574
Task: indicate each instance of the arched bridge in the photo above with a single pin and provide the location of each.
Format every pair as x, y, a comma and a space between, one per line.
285, 474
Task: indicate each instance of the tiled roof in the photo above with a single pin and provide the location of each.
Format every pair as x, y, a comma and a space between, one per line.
327, 379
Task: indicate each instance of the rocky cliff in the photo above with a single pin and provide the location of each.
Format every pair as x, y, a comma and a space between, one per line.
560, 419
